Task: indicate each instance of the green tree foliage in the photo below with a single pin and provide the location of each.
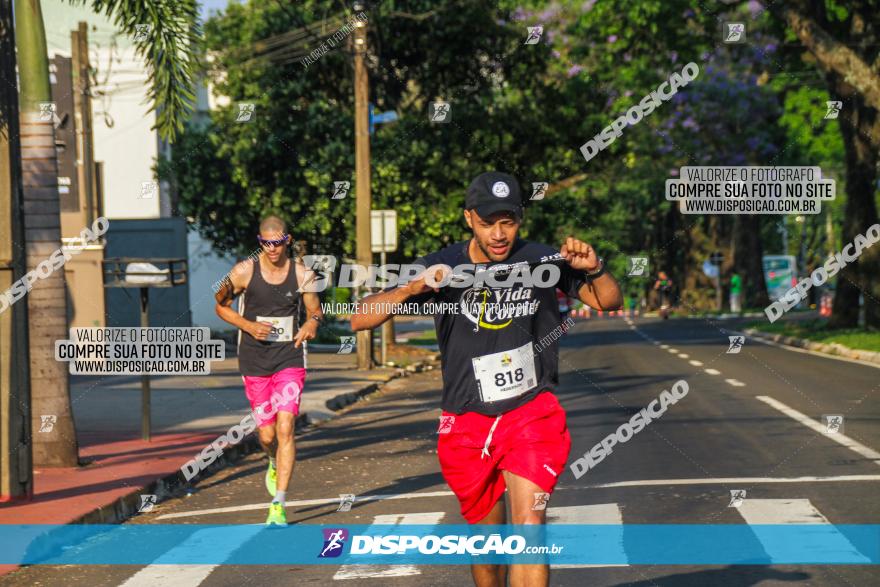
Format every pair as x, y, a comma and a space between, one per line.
166, 34
521, 108
301, 137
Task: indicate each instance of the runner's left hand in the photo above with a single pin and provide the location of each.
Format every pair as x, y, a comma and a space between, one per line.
307, 332
579, 254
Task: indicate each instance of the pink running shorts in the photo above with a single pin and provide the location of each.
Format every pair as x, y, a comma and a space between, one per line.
280, 391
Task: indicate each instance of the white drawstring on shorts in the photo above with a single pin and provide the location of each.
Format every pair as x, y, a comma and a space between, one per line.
485, 452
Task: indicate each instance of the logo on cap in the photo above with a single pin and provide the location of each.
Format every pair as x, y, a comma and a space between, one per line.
500, 189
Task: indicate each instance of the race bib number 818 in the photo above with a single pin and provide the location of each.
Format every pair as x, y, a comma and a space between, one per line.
506, 374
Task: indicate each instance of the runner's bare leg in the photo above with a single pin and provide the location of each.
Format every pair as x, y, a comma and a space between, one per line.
491, 575
286, 455
266, 434
521, 493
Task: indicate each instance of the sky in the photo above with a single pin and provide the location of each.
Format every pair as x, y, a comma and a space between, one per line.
209, 7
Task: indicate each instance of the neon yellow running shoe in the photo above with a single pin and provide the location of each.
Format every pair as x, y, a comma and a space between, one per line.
277, 515
271, 478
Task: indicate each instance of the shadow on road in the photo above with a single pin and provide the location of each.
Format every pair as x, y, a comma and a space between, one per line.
732, 576
410, 484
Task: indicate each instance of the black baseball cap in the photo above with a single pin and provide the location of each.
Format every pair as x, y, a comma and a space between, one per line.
492, 192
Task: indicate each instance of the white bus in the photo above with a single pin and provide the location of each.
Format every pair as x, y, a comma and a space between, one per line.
780, 274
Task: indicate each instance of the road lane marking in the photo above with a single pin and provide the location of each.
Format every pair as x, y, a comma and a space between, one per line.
664, 346
673, 351
214, 540
304, 502
712, 371
829, 542
735, 382
838, 437
368, 571
602, 513
683, 356
729, 480
696, 363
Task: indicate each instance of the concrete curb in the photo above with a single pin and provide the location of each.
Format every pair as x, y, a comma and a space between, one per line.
127, 506
832, 349
726, 316
344, 400
174, 483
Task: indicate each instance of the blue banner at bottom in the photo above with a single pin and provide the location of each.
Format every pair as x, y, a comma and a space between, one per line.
558, 544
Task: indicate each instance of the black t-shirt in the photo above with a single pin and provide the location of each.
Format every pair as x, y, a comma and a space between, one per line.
499, 332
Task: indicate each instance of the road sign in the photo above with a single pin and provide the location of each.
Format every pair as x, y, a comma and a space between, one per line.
383, 231
381, 118
710, 269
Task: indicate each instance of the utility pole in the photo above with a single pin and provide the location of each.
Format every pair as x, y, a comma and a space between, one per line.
16, 481
362, 171
82, 107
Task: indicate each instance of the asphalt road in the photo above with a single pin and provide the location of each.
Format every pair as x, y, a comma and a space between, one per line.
751, 421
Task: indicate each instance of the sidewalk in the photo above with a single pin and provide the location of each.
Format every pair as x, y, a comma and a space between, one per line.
188, 413
832, 349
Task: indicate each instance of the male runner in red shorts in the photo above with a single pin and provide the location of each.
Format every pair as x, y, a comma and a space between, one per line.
501, 425
271, 353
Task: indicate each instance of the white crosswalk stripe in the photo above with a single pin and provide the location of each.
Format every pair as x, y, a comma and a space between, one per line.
367, 571
217, 541
828, 540
603, 513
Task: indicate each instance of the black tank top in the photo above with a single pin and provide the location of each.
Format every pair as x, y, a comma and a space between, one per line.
267, 302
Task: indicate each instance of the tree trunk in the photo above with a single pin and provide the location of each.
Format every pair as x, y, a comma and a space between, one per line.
16, 469
748, 260
857, 124
47, 301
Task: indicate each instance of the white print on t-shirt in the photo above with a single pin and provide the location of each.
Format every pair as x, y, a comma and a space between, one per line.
495, 309
282, 328
506, 374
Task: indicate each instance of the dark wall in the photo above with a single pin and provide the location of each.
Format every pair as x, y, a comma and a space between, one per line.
157, 237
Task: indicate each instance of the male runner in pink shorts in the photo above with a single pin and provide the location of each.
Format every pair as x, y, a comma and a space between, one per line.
271, 349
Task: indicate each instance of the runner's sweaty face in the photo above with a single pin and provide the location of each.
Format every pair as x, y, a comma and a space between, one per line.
273, 252
494, 234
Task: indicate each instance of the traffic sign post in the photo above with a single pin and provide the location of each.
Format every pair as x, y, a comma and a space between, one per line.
142, 273
715, 259
383, 233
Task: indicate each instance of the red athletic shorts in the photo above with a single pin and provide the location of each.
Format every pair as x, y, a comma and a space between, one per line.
531, 441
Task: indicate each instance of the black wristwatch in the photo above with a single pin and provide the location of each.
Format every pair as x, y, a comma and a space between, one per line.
318, 319
598, 272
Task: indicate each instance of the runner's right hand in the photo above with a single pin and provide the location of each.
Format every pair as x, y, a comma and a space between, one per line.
260, 330
418, 286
